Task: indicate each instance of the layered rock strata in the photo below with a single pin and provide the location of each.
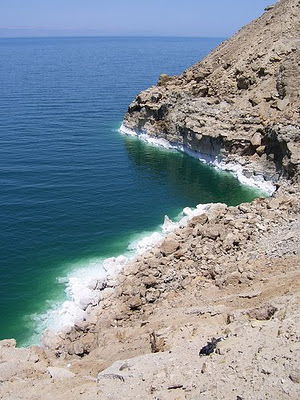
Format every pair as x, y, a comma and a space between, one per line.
239, 103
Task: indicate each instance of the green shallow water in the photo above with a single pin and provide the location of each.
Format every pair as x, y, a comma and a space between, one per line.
73, 189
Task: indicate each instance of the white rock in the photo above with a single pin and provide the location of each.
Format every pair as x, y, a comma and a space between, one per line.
60, 373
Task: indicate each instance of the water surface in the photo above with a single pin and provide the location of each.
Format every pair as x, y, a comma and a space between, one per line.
72, 188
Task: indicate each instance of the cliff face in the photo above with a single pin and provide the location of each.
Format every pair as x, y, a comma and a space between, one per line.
240, 103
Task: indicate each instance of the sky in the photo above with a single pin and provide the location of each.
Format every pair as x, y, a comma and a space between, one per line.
204, 18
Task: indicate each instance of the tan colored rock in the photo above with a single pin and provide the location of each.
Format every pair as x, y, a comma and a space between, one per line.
256, 140
264, 312
163, 79
199, 220
282, 104
150, 281
134, 303
260, 150
295, 376
152, 295
169, 246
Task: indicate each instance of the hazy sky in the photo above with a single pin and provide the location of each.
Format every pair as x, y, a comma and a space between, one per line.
132, 17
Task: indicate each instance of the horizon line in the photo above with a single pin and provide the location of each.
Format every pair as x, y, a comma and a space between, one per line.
113, 36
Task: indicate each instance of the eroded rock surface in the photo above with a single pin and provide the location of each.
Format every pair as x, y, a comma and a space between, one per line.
239, 103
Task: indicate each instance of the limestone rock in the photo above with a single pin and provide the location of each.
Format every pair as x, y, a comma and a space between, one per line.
256, 140
60, 373
134, 303
163, 79
169, 246
295, 376
211, 233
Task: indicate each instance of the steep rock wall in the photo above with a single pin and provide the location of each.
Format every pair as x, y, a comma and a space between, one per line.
239, 103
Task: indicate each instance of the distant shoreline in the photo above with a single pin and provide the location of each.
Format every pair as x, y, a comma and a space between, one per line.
110, 37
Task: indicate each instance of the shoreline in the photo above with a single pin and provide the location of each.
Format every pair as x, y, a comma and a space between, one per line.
86, 285
209, 279
255, 181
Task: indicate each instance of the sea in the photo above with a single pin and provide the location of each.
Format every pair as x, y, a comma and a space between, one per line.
74, 191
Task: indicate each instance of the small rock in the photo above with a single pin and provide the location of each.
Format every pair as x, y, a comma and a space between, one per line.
150, 281
282, 104
163, 79
60, 373
152, 295
256, 140
82, 326
275, 58
268, 8
211, 233
266, 371
203, 368
295, 376
157, 343
200, 219
135, 303
124, 366
244, 82
260, 150
175, 386
180, 253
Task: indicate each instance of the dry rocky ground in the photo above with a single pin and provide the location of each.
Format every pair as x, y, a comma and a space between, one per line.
213, 311
231, 274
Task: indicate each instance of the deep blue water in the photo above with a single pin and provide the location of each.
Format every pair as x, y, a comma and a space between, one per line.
72, 187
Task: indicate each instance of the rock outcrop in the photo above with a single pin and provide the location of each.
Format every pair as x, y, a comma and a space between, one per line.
239, 103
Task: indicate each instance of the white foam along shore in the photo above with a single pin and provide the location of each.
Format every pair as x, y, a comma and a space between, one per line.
87, 283
255, 181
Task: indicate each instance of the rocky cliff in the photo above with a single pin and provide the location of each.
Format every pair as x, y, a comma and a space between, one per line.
241, 102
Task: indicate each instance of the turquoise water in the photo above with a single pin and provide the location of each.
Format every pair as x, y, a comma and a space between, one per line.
73, 188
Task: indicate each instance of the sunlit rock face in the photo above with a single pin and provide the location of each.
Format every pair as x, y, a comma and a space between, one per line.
240, 102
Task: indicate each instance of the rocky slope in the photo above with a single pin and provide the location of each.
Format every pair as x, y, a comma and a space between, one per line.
213, 311
241, 100
231, 274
